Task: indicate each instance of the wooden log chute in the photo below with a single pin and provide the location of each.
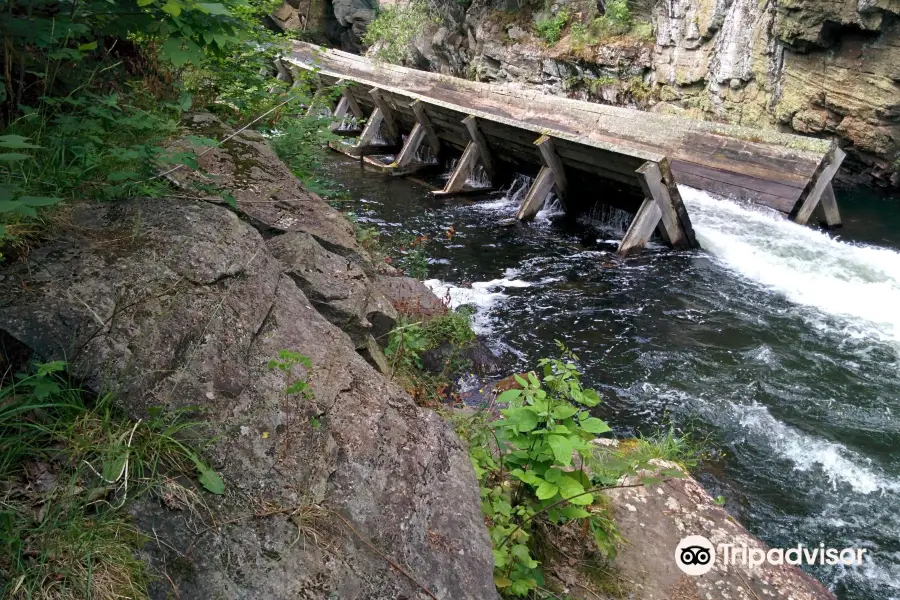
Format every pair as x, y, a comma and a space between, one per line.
641, 153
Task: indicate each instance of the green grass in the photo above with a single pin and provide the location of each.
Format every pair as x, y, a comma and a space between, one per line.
410, 339
70, 466
683, 449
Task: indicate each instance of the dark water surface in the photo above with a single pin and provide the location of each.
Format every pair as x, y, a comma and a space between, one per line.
780, 343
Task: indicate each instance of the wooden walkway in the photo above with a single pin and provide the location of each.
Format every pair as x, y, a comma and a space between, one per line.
644, 154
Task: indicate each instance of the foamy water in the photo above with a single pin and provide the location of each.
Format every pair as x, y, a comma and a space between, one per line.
856, 283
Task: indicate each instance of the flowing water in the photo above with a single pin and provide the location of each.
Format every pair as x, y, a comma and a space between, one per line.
778, 343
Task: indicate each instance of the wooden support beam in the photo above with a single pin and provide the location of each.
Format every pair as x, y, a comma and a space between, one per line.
537, 194
353, 104
463, 170
392, 130
433, 140
828, 208
413, 141
339, 113
816, 187
484, 150
551, 159
373, 126
641, 228
655, 187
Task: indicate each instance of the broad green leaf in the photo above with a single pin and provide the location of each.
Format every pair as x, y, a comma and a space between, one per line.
526, 476
569, 488
508, 396
212, 481
546, 490
521, 587
521, 419
502, 582
171, 7
521, 552
213, 8
590, 398
574, 512
47, 368
87, 47
583, 500
563, 411
14, 157
562, 449
499, 558
520, 380
16, 142
595, 425
143, 3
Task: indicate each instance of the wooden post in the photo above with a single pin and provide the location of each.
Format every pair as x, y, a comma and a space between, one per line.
554, 163
353, 104
654, 186
393, 132
408, 154
828, 208
339, 113
537, 194
484, 151
641, 228
433, 140
463, 170
816, 187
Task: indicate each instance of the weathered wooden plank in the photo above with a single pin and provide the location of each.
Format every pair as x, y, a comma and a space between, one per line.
484, 151
741, 180
828, 206
753, 157
725, 190
352, 104
551, 159
392, 131
651, 177
433, 140
463, 170
413, 141
811, 196
537, 195
641, 229
373, 126
339, 113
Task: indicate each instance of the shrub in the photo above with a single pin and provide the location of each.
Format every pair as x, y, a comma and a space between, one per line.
549, 30
394, 29
531, 467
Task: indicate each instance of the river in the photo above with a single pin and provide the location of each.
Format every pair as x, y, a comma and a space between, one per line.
777, 344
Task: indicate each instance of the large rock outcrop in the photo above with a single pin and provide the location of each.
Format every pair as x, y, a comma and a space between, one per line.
176, 303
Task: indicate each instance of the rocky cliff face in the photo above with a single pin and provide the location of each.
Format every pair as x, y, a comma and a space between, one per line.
828, 68
175, 303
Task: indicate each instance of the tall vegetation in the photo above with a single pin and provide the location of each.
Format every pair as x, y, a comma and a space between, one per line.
92, 89
538, 471
395, 28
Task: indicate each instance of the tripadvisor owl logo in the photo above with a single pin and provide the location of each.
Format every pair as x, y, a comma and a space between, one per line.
695, 555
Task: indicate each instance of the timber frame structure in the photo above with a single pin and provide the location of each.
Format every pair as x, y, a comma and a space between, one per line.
635, 158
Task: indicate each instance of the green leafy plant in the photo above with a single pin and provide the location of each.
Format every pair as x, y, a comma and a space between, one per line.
532, 466
286, 362
392, 32
550, 29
